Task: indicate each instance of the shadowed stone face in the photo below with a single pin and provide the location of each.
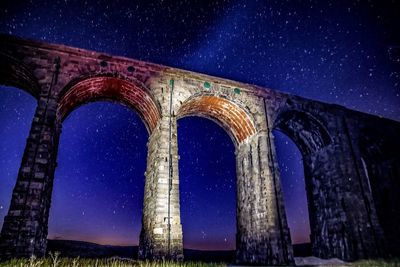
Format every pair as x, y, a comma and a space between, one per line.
13, 73
305, 130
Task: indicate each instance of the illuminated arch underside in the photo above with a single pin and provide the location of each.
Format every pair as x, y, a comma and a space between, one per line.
233, 118
110, 88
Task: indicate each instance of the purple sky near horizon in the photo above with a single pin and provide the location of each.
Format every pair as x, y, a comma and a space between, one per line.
342, 52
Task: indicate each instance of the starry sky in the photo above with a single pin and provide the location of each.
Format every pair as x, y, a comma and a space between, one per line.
343, 52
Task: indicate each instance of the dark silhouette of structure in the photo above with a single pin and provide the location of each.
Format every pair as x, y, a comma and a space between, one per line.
351, 159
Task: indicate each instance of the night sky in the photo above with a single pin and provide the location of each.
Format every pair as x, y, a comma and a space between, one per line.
343, 52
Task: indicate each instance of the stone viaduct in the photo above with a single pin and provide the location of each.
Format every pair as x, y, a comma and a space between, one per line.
351, 160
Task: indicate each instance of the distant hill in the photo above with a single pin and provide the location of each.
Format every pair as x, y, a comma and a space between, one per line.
71, 248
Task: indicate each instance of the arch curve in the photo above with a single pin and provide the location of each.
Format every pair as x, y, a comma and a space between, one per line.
304, 129
229, 115
111, 88
15, 73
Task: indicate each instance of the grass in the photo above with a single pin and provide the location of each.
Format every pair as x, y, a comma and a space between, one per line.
65, 262
55, 261
377, 263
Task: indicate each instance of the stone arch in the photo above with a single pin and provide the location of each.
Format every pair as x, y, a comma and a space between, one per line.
310, 136
308, 133
234, 119
15, 73
239, 123
109, 88
112, 87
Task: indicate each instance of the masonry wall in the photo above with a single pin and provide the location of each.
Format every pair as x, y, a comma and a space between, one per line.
343, 217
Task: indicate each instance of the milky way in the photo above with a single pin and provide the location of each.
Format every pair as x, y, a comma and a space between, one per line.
342, 52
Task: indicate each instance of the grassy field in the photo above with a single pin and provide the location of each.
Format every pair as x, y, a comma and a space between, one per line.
55, 261
376, 263
65, 262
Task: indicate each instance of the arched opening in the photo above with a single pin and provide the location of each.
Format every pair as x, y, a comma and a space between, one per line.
294, 192
298, 136
17, 108
98, 192
99, 183
208, 174
208, 190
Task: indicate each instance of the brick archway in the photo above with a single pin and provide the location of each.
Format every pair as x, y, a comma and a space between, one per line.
112, 89
230, 116
250, 139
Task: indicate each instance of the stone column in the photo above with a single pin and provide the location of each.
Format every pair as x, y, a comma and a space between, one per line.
24, 231
343, 220
329, 227
161, 234
263, 235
